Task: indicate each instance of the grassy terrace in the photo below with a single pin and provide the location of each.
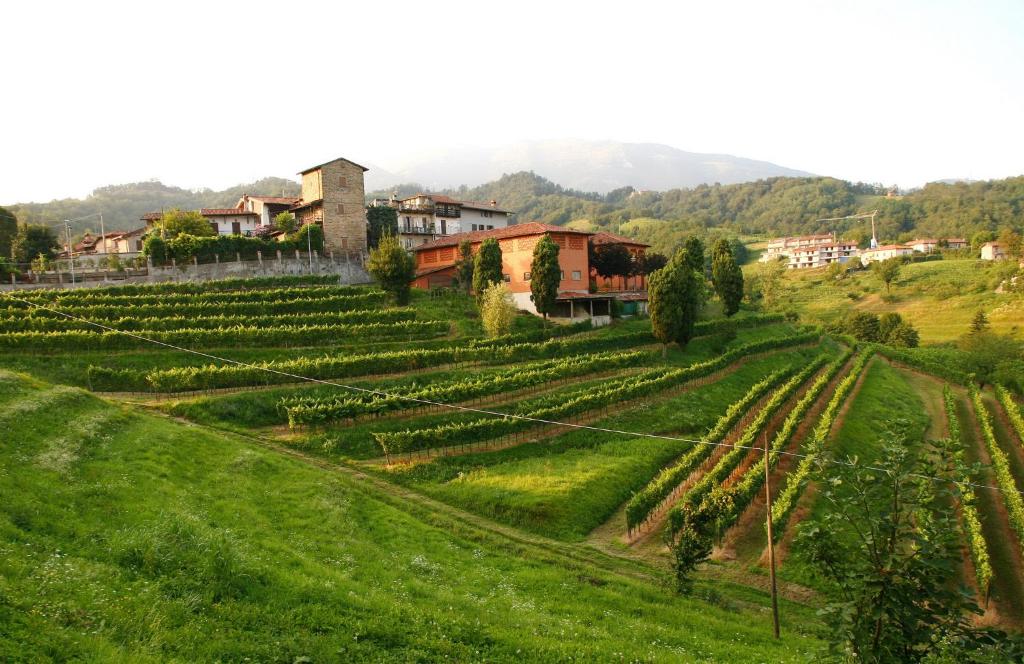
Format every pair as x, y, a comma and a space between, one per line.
137, 538
960, 286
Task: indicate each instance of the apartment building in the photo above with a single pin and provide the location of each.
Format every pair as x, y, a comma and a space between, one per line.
425, 217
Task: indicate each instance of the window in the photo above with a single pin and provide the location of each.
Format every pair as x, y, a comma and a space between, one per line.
341, 209
490, 227
576, 275
213, 225
236, 228
507, 278
474, 226
562, 273
526, 276
342, 181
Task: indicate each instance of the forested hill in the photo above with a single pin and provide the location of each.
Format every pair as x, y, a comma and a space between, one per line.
123, 204
776, 206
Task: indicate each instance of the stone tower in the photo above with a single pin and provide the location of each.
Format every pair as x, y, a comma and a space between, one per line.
333, 196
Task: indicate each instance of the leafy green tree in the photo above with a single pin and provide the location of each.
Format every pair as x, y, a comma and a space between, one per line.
545, 276
694, 248
886, 549
903, 335
8, 231
691, 546
393, 267
380, 221
864, 326
727, 277
980, 238
988, 354
769, 277
487, 267
980, 322
155, 248
497, 310
651, 261
1010, 239
739, 251
674, 301
464, 266
611, 260
32, 241
888, 271
177, 222
316, 237
285, 222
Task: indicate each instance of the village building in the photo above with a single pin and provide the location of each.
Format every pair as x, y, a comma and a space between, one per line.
436, 267
957, 243
333, 196
426, 217
809, 251
231, 221
994, 251
821, 255
637, 250
122, 242
267, 207
781, 247
924, 245
884, 253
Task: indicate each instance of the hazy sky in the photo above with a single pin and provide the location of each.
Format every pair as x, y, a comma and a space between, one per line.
219, 93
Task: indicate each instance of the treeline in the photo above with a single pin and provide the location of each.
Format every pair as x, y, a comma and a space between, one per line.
122, 205
774, 206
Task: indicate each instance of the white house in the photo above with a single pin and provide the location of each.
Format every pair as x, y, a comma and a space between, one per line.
782, 247
820, 255
231, 221
425, 217
925, 245
267, 207
994, 251
884, 253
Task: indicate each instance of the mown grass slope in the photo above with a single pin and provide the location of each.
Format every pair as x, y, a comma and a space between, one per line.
133, 537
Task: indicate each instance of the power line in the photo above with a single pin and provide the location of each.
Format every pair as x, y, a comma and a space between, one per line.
479, 411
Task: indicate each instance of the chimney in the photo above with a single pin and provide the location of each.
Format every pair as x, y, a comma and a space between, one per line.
494, 203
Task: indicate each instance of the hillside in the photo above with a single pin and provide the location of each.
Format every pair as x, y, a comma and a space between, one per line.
600, 166
123, 204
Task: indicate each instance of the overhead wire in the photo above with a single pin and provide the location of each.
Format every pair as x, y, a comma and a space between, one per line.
471, 409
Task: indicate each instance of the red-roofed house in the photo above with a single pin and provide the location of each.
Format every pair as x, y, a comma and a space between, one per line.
224, 221
435, 266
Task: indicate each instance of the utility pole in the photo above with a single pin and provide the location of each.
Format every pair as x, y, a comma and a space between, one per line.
309, 248
103, 235
771, 540
71, 253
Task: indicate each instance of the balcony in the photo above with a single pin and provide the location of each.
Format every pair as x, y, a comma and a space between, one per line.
417, 230
416, 207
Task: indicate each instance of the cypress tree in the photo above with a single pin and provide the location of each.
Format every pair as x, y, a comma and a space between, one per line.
8, 229
695, 254
487, 266
727, 277
674, 301
545, 276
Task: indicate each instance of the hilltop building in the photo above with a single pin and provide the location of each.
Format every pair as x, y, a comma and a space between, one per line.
809, 251
884, 253
436, 259
994, 251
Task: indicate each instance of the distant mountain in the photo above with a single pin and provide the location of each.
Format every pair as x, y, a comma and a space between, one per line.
123, 204
598, 166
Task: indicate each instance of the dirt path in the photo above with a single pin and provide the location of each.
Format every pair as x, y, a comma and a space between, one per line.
1007, 601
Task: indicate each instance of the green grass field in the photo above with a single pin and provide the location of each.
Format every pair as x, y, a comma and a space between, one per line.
201, 527
129, 537
939, 297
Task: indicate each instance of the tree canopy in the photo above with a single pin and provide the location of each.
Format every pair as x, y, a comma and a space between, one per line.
487, 266
175, 222
727, 277
32, 241
611, 260
545, 276
674, 300
394, 267
380, 221
8, 231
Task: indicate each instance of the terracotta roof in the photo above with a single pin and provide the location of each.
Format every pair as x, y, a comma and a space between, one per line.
152, 216
518, 230
611, 238
565, 295
886, 247
299, 204
313, 168
926, 240
276, 199
226, 212
957, 239
431, 270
